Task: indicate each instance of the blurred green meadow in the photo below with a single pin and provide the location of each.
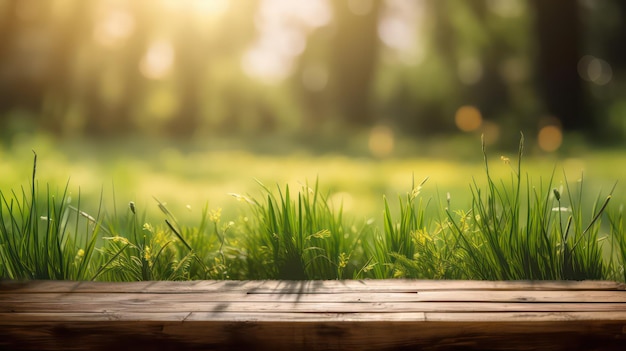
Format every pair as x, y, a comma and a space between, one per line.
190, 176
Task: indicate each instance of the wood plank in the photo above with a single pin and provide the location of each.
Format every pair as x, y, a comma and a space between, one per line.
427, 296
325, 286
331, 307
35, 318
321, 335
617, 316
495, 317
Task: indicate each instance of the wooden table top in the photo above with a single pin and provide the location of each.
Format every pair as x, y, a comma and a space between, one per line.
316, 315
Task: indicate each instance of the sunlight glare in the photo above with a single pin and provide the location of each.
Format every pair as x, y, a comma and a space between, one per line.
264, 64
399, 29
211, 8
282, 27
113, 27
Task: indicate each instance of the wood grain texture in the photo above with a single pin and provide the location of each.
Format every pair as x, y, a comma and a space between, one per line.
313, 315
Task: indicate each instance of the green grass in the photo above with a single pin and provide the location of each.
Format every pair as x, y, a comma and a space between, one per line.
298, 237
36, 239
505, 225
516, 231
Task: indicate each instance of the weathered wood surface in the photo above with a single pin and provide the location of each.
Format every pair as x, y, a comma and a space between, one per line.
313, 315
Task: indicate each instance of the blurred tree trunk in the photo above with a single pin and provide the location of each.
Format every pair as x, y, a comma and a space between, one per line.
617, 40
35, 61
22, 68
103, 119
8, 28
491, 93
191, 58
354, 55
57, 87
558, 30
616, 56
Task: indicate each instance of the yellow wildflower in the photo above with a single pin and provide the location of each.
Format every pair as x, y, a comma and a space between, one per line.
324, 233
79, 255
343, 260
118, 238
147, 255
215, 215
369, 267
421, 237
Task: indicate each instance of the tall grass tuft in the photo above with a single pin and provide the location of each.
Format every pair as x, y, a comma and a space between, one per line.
618, 236
299, 237
36, 246
413, 246
138, 250
519, 231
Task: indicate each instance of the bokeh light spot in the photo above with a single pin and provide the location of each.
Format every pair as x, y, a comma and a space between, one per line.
113, 27
266, 64
401, 29
282, 28
550, 138
158, 60
381, 141
595, 70
468, 118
